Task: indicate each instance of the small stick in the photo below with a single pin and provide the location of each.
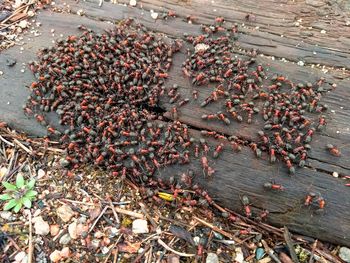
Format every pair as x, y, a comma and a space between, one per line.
290, 245
6, 141
112, 247
314, 245
129, 213
114, 212
270, 252
98, 218
22, 146
138, 258
30, 249
144, 210
216, 229
160, 242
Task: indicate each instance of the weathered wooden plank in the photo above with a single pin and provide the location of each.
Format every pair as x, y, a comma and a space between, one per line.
241, 173
295, 20
270, 43
13, 91
337, 132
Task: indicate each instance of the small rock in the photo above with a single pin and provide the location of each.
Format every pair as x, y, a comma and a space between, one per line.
239, 255
10, 62
20, 256
4, 14
72, 230
113, 231
301, 63
173, 259
23, 24
98, 234
30, 13
344, 254
212, 258
65, 239
54, 230
41, 173
133, 3
41, 227
65, 252
154, 15
139, 226
65, 213
323, 31
3, 171
7, 215
95, 243
335, 174
201, 47
104, 250
55, 256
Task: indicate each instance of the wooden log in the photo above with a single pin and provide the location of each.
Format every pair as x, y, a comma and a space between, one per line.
236, 173
274, 23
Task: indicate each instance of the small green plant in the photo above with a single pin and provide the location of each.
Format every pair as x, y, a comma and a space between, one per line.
19, 194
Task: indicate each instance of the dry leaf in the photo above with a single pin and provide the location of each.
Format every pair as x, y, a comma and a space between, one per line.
129, 247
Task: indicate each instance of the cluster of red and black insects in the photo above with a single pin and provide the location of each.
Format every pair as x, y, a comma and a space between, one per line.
245, 90
105, 89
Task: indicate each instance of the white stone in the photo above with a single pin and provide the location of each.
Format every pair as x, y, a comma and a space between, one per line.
323, 31
72, 230
23, 24
212, 258
139, 226
55, 256
20, 256
64, 240
41, 173
344, 254
301, 63
65, 213
7, 215
239, 255
154, 15
133, 3
335, 174
41, 227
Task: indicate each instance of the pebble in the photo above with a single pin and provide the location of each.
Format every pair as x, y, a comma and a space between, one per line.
154, 15
54, 230
55, 256
212, 258
239, 255
65, 252
10, 62
20, 256
301, 63
65, 213
139, 226
23, 24
104, 250
6, 215
113, 231
41, 173
72, 230
344, 254
64, 240
265, 260
41, 227
335, 174
133, 3
95, 243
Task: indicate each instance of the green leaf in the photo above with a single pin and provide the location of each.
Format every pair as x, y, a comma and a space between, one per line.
9, 186
31, 184
31, 193
26, 202
5, 197
17, 207
10, 204
19, 181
